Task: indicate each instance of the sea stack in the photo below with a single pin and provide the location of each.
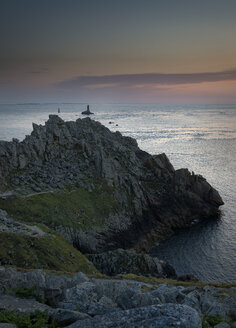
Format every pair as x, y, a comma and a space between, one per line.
87, 112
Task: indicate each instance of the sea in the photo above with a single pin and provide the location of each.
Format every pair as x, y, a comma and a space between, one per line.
200, 137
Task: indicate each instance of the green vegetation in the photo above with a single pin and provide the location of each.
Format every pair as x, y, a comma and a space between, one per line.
157, 281
24, 292
52, 252
146, 288
209, 320
75, 209
228, 292
205, 324
38, 320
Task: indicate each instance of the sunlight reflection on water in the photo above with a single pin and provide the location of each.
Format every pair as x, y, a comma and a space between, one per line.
199, 137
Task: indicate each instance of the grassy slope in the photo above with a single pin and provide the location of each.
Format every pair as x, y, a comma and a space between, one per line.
52, 252
76, 208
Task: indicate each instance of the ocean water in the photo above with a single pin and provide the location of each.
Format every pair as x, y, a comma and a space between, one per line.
199, 137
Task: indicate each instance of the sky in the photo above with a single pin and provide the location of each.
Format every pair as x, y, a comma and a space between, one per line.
118, 51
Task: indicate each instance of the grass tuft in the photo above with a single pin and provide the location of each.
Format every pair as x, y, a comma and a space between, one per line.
38, 320
157, 281
209, 320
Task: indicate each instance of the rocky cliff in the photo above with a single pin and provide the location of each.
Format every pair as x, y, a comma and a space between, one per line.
98, 188
122, 261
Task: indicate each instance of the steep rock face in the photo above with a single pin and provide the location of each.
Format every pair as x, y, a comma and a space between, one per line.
122, 261
148, 197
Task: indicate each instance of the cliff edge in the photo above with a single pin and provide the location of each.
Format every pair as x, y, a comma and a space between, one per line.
98, 188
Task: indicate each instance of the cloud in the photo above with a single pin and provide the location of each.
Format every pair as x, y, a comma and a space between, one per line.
99, 86
39, 71
130, 80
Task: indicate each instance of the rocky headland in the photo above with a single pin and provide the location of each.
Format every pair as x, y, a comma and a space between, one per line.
75, 197
98, 188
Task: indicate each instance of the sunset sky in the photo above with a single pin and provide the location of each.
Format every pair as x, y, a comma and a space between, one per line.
118, 51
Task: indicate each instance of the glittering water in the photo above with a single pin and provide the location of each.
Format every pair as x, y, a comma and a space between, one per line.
199, 137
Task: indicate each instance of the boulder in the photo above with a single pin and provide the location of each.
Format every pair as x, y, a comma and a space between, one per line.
22, 305
80, 301
156, 316
66, 317
222, 325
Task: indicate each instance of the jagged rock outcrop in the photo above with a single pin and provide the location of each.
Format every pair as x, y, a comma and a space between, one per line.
79, 301
147, 197
122, 261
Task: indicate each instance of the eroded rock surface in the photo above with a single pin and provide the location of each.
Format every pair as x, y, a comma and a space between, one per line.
80, 301
149, 198
124, 261
156, 316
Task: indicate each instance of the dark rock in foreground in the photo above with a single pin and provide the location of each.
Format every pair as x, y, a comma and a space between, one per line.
79, 301
122, 261
156, 316
102, 192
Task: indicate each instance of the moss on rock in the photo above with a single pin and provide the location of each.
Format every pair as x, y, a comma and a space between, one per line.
45, 253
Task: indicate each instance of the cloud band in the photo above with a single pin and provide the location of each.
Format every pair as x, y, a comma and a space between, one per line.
128, 80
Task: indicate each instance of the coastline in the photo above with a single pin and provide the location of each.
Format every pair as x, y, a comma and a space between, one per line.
114, 196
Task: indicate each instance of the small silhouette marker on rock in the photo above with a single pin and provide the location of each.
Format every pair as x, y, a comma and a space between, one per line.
87, 112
